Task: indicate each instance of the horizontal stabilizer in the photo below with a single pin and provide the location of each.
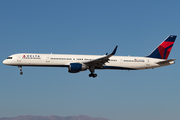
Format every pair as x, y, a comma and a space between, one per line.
165, 61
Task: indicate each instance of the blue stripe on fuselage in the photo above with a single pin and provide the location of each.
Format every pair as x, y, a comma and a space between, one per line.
117, 68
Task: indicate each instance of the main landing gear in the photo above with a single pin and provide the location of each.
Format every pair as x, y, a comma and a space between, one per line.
92, 75
20, 68
91, 69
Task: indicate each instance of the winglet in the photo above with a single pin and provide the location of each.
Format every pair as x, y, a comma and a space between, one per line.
114, 51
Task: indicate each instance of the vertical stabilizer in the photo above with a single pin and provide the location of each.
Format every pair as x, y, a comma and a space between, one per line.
164, 49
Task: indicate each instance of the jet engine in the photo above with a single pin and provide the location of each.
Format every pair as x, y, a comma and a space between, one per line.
76, 67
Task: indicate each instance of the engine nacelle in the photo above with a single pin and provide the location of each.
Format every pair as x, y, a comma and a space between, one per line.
76, 67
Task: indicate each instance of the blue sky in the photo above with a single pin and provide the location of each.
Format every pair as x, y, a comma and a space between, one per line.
89, 27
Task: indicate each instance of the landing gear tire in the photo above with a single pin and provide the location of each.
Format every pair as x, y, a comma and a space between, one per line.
21, 73
92, 75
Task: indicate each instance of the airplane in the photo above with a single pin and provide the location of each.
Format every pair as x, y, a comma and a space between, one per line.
77, 63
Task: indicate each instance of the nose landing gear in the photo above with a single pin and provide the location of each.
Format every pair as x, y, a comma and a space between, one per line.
20, 68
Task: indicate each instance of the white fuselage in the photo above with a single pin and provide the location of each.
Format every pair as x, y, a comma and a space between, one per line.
64, 60
76, 63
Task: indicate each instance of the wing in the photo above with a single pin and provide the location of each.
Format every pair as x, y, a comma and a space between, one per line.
99, 62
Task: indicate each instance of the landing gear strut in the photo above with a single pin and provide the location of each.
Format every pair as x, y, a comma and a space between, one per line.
91, 69
20, 68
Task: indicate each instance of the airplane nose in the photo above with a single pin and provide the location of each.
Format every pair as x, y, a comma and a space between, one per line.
5, 62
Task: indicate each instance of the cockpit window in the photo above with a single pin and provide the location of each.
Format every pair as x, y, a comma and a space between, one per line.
9, 58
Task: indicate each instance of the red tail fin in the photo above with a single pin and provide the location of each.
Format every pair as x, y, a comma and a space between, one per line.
164, 49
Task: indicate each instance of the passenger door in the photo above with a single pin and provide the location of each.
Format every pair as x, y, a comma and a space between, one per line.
148, 62
48, 60
18, 59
